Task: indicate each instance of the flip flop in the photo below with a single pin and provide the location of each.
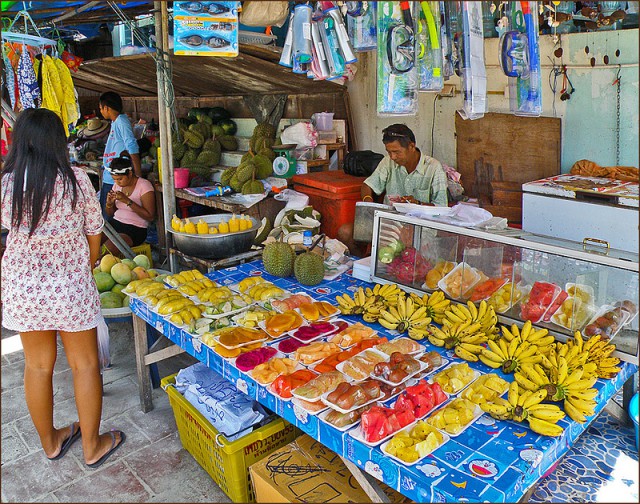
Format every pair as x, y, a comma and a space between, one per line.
66, 444
113, 448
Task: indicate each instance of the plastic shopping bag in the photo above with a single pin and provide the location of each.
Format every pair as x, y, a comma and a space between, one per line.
104, 355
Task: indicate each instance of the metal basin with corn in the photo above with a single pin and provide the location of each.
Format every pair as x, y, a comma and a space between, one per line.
215, 246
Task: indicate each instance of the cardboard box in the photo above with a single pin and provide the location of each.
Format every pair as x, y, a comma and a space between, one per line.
306, 471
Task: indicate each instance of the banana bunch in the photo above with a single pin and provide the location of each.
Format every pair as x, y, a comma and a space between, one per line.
509, 357
557, 381
183, 277
436, 304
599, 353
378, 299
355, 305
387, 294
538, 337
526, 405
192, 287
406, 316
484, 313
575, 358
465, 338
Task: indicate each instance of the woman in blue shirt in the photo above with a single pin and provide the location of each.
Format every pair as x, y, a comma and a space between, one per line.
120, 139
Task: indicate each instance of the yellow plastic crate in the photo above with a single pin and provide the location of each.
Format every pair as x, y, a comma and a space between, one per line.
144, 249
227, 462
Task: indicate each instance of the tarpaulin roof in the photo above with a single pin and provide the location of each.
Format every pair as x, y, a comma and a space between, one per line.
254, 71
85, 21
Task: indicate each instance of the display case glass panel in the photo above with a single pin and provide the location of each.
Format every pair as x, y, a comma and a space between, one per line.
557, 284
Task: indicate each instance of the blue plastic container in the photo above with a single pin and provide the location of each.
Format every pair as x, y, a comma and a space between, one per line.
633, 413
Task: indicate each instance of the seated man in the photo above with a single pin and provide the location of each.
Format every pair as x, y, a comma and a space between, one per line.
404, 171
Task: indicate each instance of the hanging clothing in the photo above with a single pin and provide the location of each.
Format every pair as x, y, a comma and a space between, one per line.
69, 102
10, 79
51, 88
27, 83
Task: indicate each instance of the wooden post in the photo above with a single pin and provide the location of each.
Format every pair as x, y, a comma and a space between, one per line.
161, 16
141, 348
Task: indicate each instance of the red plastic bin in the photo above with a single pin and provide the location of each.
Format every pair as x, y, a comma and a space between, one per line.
332, 193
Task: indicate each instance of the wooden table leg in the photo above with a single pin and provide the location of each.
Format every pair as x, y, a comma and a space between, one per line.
368, 483
142, 348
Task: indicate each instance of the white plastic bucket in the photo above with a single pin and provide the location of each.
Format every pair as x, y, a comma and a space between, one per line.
323, 121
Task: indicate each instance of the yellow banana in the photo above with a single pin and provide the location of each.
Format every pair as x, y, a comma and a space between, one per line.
544, 428
465, 354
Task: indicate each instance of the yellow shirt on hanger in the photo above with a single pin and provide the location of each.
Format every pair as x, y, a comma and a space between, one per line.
68, 91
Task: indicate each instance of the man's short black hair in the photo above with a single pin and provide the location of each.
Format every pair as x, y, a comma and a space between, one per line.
400, 133
112, 100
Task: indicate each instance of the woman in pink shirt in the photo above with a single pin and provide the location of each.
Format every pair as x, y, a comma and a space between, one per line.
131, 204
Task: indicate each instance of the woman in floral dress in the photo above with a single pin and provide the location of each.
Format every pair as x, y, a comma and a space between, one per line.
54, 222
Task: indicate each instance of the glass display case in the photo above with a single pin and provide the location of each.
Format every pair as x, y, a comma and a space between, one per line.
558, 284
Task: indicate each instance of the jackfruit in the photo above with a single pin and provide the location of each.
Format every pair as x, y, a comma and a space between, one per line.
245, 171
308, 268
252, 187
211, 144
179, 150
203, 128
256, 144
278, 259
189, 158
193, 139
227, 174
268, 153
228, 142
235, 184
264, 129
264, 167
208, 158
217, 131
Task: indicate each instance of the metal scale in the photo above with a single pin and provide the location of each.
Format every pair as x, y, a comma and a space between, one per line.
284, 165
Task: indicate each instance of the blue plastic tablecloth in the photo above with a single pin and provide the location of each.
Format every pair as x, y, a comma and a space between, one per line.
491, 461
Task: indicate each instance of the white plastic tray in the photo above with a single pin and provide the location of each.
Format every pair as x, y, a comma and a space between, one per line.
282, 298
217, 340
315, 338
340, 366
420, 348
475, 275
317, 399
477, 413
322, 416
423, 366
336, 313
233, 361
296, 402
429, 372
357, 434
445, 438
476, 374
227, 314
341, 410
296, 368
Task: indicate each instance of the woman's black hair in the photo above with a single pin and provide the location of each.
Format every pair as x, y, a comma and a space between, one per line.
400, 133
37, 157
112, 100
123, 162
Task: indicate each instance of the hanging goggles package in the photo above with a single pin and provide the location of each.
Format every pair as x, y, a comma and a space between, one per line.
520, 58
471, 56
332, 11
446, 37
362, 27
286, 58
302, 51
397, 75
335, 61
429, 51
319, 65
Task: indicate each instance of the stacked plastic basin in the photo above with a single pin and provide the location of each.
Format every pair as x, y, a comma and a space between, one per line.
333, 194
633, 413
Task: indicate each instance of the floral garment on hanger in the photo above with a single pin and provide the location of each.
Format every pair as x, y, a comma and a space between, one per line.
27, 82
10, 78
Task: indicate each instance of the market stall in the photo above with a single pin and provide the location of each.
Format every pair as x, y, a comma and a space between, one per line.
491, 460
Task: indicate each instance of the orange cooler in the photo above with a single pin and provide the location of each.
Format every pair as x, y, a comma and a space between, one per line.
332, 193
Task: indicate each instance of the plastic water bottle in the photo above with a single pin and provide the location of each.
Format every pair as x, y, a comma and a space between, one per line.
306, 238
73, 153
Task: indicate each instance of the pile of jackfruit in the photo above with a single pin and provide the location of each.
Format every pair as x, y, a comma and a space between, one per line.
202, 138
256, 164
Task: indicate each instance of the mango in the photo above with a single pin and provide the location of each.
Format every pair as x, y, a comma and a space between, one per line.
142, 260
140, 272
129, 263
107, 262
121, 273
110, 300
104, 281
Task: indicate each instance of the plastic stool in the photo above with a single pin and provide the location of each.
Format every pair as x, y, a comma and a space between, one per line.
184, 206
144, 249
